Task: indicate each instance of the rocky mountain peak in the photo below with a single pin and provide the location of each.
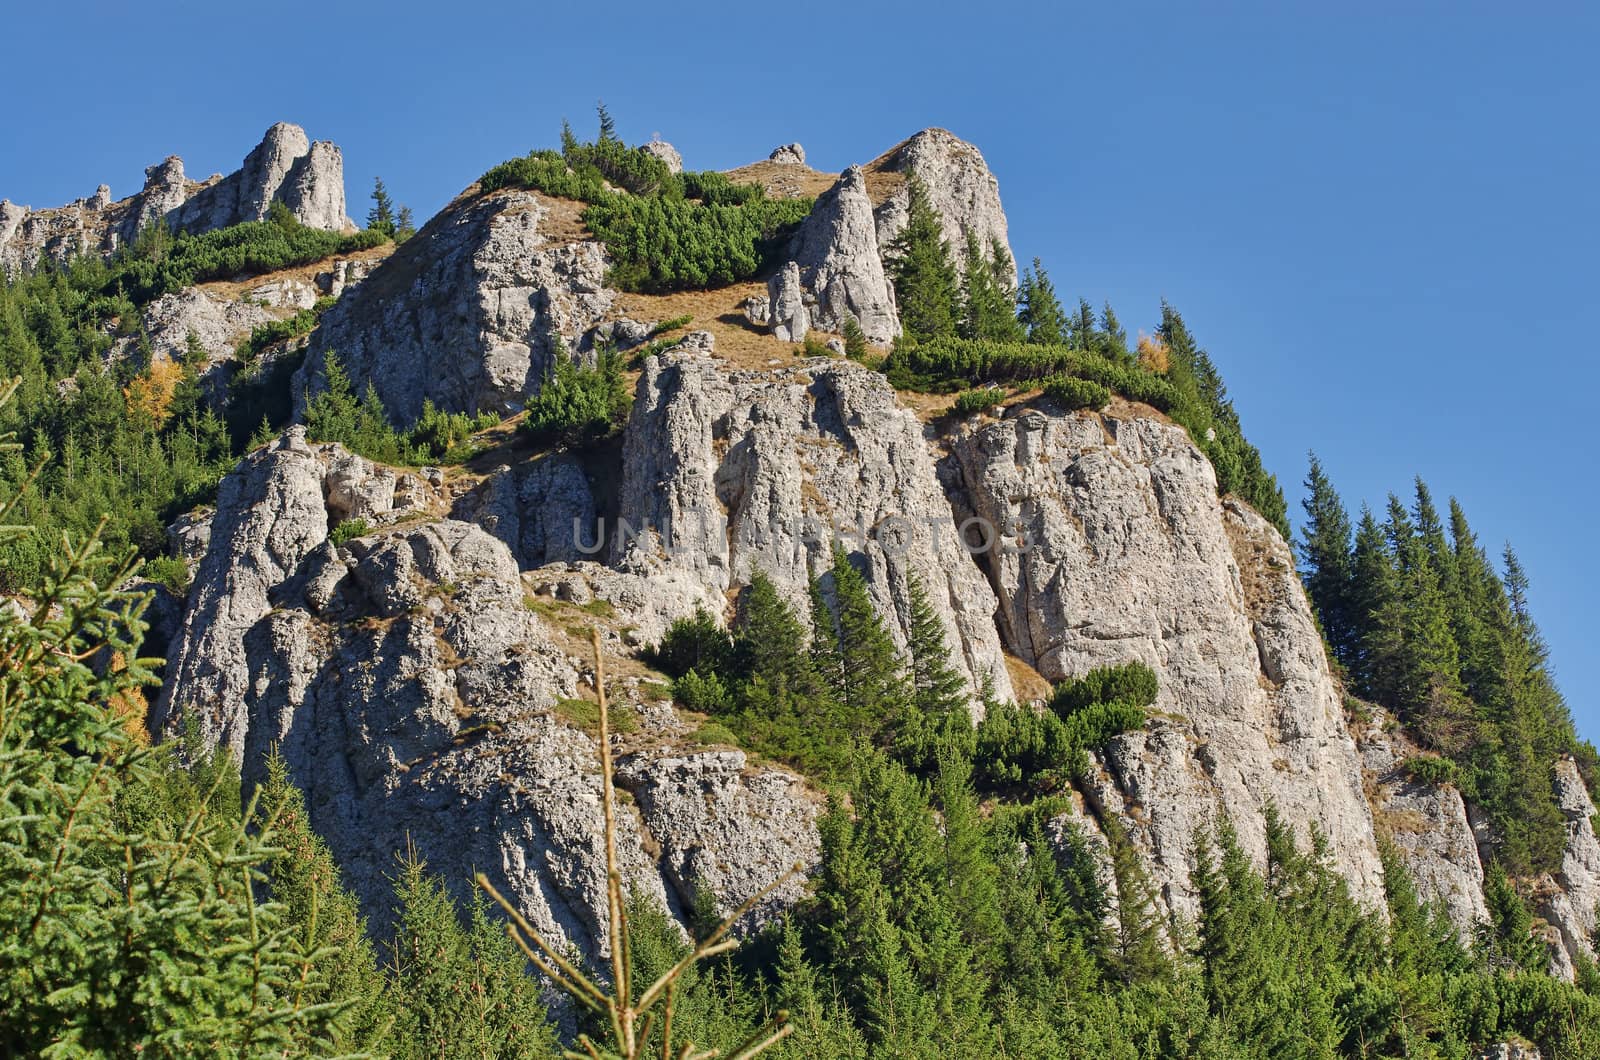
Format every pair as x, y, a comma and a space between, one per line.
285, 166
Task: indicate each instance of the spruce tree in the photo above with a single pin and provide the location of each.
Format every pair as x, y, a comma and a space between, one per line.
871, 688
1113, 336
1139, 949
1374, 591
926, 282
938, 690
381, 217
988, 305
1081, 331
1040, 311
1326, 563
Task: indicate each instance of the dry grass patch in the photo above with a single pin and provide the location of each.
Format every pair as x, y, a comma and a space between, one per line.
784, 181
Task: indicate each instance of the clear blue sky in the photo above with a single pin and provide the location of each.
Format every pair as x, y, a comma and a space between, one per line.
1382, 223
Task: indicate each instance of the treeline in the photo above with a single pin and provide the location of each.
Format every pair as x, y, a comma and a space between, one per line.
665, 231
129, 440
133, 438
966, 327
1422, 622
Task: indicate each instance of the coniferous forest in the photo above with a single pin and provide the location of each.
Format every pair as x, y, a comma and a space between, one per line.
153, 904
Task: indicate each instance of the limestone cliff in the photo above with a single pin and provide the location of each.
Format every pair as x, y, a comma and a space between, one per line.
417, 697
468, 312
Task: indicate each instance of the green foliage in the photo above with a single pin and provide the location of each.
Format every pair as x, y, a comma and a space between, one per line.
988, 302
578, 405
695, 643
664, 231
348, 530
130, 441
1072, 393
666, 244
334, 415
855, 340
156, 264
1133, 683
1039, 311
1424, 625
978, 400
460, 990
926, 282
383, 218
1432, 769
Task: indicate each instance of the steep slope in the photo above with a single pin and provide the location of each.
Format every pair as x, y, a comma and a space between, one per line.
417, 699
1127, 554
734, 473
469, 311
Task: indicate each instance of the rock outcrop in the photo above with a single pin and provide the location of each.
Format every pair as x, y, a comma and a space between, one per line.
1572, 905
788, 155
285, 167
840, 264
786, 305
1427, 825
727, 473
467, 313
1124, 553
418, 699
667, 153
216, 324
959, 186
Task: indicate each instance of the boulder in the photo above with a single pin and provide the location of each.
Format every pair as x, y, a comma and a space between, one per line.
666, 152
786, 300
788, 155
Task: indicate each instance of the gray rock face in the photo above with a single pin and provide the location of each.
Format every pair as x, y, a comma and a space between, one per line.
959, 185
270, 515
469, 312
841, 268
788, 155
1427, 825
217, 324
786, 305
727, 473
416, 699
541, 509
1572, 908
286, 167
667, 153
1129, 555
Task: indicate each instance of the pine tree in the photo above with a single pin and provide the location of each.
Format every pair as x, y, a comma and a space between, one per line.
381, 217
988, 305
1040, 311
926, 282
1374, 592
306, 880
1327, 563
1081, 331
608, 126
871, 688
1113, 336
937, 689
1139, 950
461, 989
